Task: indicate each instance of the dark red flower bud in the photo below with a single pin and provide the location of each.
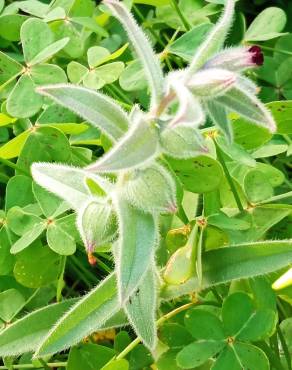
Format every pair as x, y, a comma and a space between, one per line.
257, 56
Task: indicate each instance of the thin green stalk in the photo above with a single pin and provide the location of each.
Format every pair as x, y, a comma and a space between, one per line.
287, 138
274, 360
117, 98
80, 275
159, 322
89, 274
142, 19
276, 198
284, 52
228, 177
122, 95
51, 365
103, 266
284, 347
10, 164
181, 15
60, 281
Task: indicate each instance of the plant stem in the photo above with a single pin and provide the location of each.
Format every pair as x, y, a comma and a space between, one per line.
276, 198
181, 15
61, 279
228, 177
30, 366
284, 52
10, 164
159, 322
285, 347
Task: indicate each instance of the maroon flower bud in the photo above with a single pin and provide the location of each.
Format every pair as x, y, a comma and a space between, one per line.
257, 56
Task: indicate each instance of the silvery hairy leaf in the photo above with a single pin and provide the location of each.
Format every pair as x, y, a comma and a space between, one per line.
182, 142
214, 40
143, 49
248, 106
136, 148
96, 108
219, 117
142, 306
68, 183
134, 251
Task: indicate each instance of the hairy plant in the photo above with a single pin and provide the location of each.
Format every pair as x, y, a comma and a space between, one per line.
120, 197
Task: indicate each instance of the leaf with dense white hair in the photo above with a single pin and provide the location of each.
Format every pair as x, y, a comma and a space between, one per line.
25, 334
182, 142
68, 183
135, 248
135, 149
249, 106
94, 107
141, 309
143, 49
214, 40
89, 314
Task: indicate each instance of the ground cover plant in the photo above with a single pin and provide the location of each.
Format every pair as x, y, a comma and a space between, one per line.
145, 157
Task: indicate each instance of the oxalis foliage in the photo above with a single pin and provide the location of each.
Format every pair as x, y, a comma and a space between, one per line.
127, 198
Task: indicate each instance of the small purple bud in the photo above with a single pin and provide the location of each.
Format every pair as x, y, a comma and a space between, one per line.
257, 57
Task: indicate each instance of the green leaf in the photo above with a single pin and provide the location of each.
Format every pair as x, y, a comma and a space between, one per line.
219, 116
85, 317
182, 142
96, 56
260, 326
174, 335
18, 192
143, 49
36, 266
204, 325
282, 111
135, 249
89, 356
25, 334
10, 25
20, 221
197, 353
76, 72
141, 309
236, 311
250, 355
248, 106
249, 136
35, 36
43, 74
198, 175
96, 108
23, 101
28, 238
233, 150
13, 147
9, 68
272, 148
49, 51
11, 302
186, 45
47, 201
44, 144
139, 146
60, 241
133, 77
117, 365
267, 25
257, 186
